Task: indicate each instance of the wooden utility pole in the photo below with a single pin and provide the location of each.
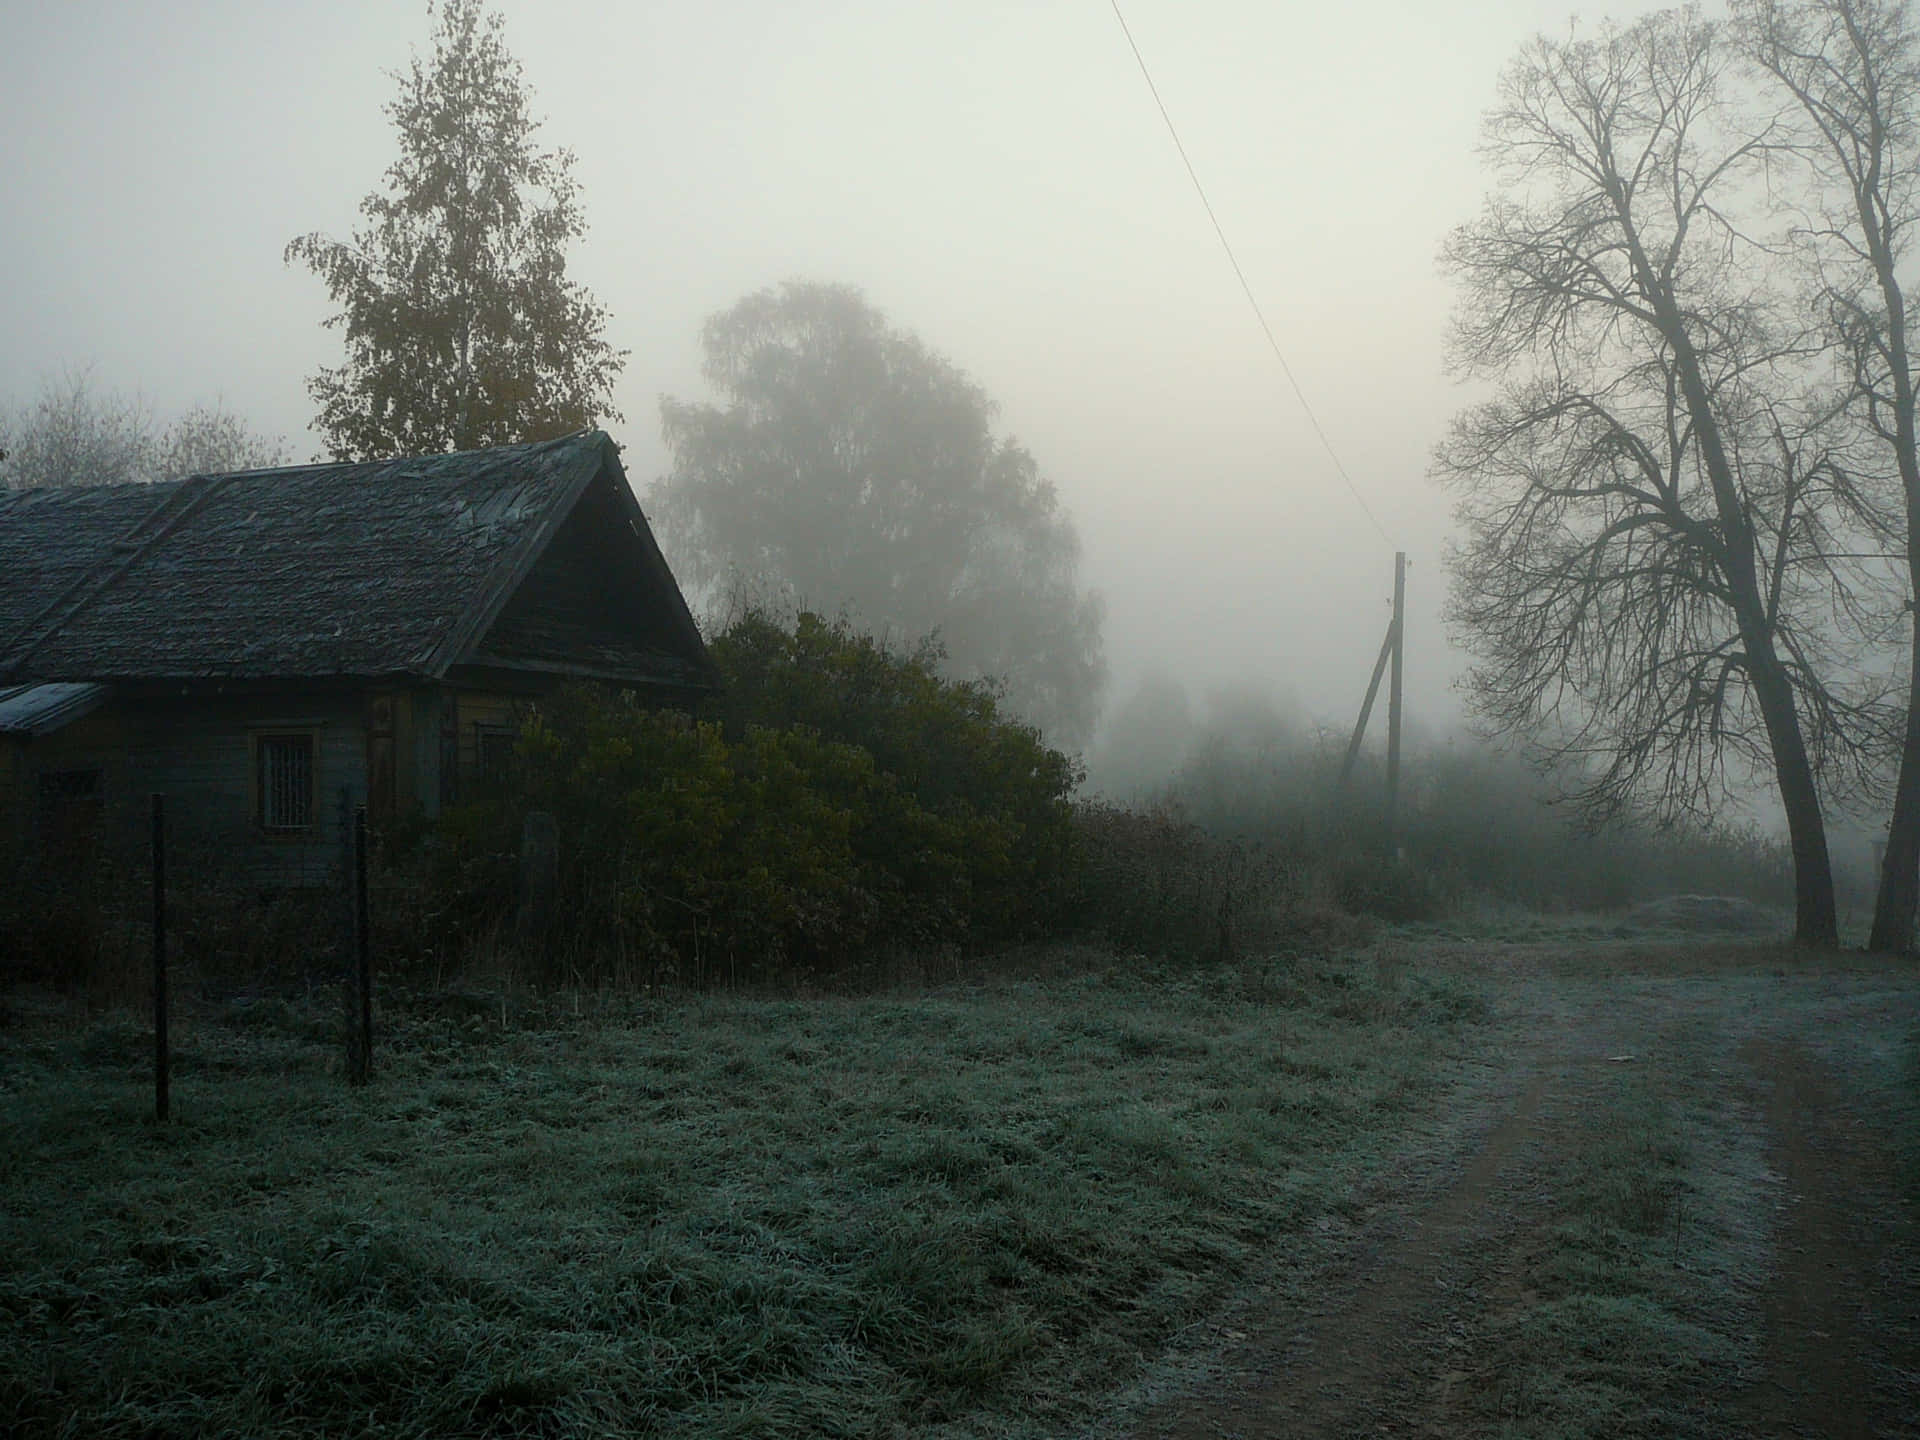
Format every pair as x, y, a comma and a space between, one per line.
1392, 649
1366, 706
1397, 634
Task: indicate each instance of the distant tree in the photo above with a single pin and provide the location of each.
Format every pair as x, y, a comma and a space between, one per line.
209, 440
77, 433
1144, 741
852, 465
74, 433
462, 328
1649, 500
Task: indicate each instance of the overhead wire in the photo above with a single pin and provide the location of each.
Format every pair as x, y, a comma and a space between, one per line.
1241, 275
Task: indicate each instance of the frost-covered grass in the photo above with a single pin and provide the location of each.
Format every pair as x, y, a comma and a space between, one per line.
973, 1208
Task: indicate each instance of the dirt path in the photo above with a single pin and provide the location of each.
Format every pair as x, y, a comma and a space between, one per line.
1772, 1287
1836, 1322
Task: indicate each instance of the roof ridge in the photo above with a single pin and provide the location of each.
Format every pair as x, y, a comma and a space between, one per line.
186, 498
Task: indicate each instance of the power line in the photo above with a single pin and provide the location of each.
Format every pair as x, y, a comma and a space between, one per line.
1241, 275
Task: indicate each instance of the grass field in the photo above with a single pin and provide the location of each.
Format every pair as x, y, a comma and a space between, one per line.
966, 1210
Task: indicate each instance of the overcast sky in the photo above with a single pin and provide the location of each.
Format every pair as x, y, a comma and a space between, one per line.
992, 172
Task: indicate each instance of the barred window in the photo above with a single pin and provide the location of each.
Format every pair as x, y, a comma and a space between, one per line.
493, 751
284, 781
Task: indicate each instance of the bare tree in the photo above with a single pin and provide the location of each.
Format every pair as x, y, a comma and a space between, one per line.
1646, 529
209, 440
1852, 72
77, 432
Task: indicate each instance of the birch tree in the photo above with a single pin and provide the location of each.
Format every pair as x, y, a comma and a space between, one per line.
462, 327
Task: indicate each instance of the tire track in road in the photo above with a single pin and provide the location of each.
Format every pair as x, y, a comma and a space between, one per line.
1834, 1307
1331, 1375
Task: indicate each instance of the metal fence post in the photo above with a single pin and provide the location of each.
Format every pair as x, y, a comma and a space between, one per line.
161, 1057
361, 1050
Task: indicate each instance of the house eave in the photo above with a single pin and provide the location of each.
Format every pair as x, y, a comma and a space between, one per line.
45, 707
531, 676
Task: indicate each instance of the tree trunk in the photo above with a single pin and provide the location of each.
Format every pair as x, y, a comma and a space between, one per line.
1815, 921
1899, 894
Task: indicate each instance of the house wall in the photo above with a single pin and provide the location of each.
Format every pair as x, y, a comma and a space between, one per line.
199, 753
400, 751
12, 830
482, 714
425, 744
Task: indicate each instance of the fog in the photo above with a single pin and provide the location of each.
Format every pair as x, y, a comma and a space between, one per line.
993, 175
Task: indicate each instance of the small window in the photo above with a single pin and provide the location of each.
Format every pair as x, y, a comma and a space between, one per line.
283, 782
69, 809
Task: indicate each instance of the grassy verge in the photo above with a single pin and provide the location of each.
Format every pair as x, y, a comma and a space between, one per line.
726, 1216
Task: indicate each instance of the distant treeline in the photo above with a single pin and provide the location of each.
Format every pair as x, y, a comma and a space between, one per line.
1475, 823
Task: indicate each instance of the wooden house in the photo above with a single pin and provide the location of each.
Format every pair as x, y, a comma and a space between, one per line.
273, 648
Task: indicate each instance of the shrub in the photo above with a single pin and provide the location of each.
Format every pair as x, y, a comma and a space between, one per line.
946, 742
838, 796
1370, 884
1152, 882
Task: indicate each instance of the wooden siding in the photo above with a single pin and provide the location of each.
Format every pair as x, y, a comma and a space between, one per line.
418, 746
13, 834
479, 714
199, 752
406, 747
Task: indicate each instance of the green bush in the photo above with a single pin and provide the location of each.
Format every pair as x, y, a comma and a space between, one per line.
974, 838
836, 798
1395, 891
946, 742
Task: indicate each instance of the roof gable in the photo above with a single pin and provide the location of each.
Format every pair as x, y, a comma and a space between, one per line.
599, 600
369, 570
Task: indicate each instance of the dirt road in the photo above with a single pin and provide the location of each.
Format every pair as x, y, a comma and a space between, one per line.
1678, 1201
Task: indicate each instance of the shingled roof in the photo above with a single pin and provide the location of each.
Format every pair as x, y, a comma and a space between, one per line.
392, 569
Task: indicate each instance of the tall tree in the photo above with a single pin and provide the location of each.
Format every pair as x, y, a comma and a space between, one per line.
75, 432
1853, 75
1645, 523
462, 328
854, 466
